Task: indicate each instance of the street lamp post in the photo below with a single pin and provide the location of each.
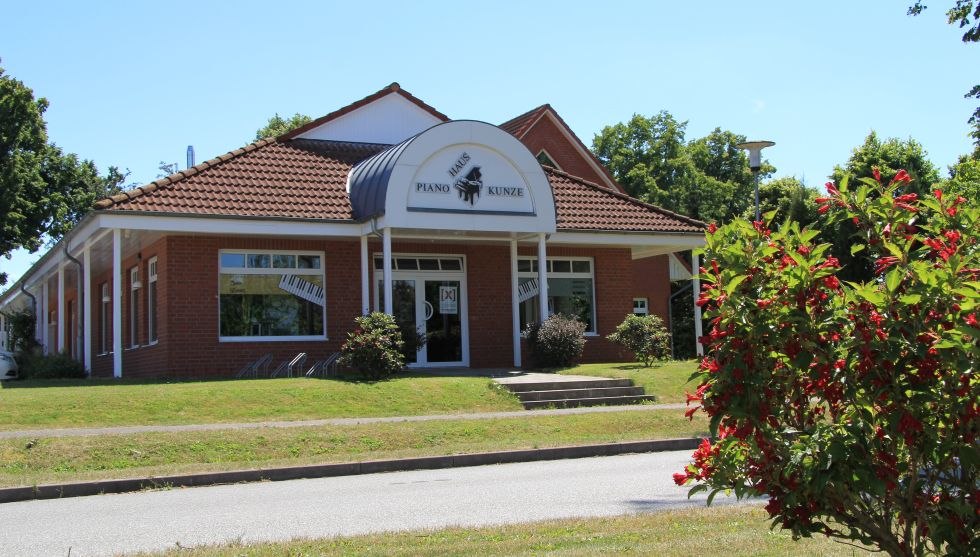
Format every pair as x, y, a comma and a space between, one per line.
755, 163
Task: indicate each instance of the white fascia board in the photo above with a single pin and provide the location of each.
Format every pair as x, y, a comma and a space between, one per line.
221, 225
675, 242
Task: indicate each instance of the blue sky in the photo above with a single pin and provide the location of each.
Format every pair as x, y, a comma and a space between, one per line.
133, 83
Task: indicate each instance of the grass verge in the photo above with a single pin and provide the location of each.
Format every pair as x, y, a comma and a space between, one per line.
668, 381
63, 459
727, 530
95, 403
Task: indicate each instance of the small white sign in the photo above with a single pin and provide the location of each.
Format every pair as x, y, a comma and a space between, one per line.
527, 290
448, 300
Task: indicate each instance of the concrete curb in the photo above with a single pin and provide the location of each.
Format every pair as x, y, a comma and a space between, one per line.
82, 489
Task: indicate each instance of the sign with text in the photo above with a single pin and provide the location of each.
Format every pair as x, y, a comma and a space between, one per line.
469, 178
448, 300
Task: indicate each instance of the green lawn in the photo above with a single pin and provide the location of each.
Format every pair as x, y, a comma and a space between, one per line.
63, 459
727, 530
668, 381
94, 403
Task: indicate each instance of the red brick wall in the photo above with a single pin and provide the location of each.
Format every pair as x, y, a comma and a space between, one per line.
546, 135
651, 280
188, 303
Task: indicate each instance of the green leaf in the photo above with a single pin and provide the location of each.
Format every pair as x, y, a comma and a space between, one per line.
857, 248
894, 279
733, 284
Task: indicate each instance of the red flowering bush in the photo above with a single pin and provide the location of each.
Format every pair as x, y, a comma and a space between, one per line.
852, 407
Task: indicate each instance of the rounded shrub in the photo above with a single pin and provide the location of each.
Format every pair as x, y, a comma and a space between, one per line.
556, 342
645, 336
51, 366
374, 347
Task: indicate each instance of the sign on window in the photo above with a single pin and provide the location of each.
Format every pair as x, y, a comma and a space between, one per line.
448, 300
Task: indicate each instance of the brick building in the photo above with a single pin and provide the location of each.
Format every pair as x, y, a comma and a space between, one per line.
457, 227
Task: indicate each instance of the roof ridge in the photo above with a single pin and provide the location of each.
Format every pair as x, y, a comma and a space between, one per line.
523, 128
394, 87
625, 197
181, 175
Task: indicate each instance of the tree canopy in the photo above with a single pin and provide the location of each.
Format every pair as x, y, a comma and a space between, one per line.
277, 125
960, 15
706, 178
44, 191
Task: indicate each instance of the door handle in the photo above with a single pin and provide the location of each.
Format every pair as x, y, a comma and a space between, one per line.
429, 310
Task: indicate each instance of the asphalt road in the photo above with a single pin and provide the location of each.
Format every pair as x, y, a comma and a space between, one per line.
484, 495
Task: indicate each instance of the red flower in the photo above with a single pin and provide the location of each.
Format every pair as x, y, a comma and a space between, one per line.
763, 303
876, 173
971, 320
938, 194
884, 262
832, 189
690, 412
680, 478
902, 177
823, 209
712, 228
907, 198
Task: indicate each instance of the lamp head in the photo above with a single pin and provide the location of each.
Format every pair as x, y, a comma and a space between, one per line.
755, 152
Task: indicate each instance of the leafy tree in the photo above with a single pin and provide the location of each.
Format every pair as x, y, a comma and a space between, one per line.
43, 191
960, 14
277, 125
851, 406
707, 178
964, 178
789, 198
888, 157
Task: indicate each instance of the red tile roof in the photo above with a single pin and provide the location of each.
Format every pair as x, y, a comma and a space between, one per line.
519, 125
393, 88
306, 179
582, 205
296, 179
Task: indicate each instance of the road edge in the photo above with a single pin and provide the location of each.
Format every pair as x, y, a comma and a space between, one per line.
99, 487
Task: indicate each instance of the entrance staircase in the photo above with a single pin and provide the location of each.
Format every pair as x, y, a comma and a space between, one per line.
546, 390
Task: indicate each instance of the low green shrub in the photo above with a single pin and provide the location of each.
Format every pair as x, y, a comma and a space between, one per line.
645, 336
555, 343
51, 366
374, 348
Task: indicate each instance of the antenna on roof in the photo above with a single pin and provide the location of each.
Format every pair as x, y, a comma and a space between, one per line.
190, 156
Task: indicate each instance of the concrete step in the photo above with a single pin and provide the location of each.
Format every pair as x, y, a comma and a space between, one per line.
603, 401
563, 385
558, 394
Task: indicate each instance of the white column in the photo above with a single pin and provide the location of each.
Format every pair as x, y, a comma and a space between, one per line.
117, 347
87, 344
389, 303
365, 278
696, 288
543, 276
45, 341
61, 308
515, 304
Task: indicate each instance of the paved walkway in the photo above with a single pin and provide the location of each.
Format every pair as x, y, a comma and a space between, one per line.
124, 430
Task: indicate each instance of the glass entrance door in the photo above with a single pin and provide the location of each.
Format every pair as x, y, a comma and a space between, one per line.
432, 306
443, 326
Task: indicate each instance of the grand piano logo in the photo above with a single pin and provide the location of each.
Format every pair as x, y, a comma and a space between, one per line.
470, 186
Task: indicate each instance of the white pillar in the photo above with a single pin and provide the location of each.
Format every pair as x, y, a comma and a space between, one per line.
543, 276
87, 344
117, 347
61, 308
696, 288
389, 303
515, 304
365, 278
45, 333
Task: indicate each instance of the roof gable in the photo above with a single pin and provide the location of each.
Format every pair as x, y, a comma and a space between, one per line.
542, 128
389, 116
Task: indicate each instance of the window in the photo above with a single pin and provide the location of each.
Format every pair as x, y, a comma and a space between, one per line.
545, 159
571, 289
641, 306
271, 296
104, 319
134, 305
151, 300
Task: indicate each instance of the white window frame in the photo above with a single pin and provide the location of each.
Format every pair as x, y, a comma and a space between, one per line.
643, 308
134, 300
104, 302
152, 327
571, 275
322, 272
